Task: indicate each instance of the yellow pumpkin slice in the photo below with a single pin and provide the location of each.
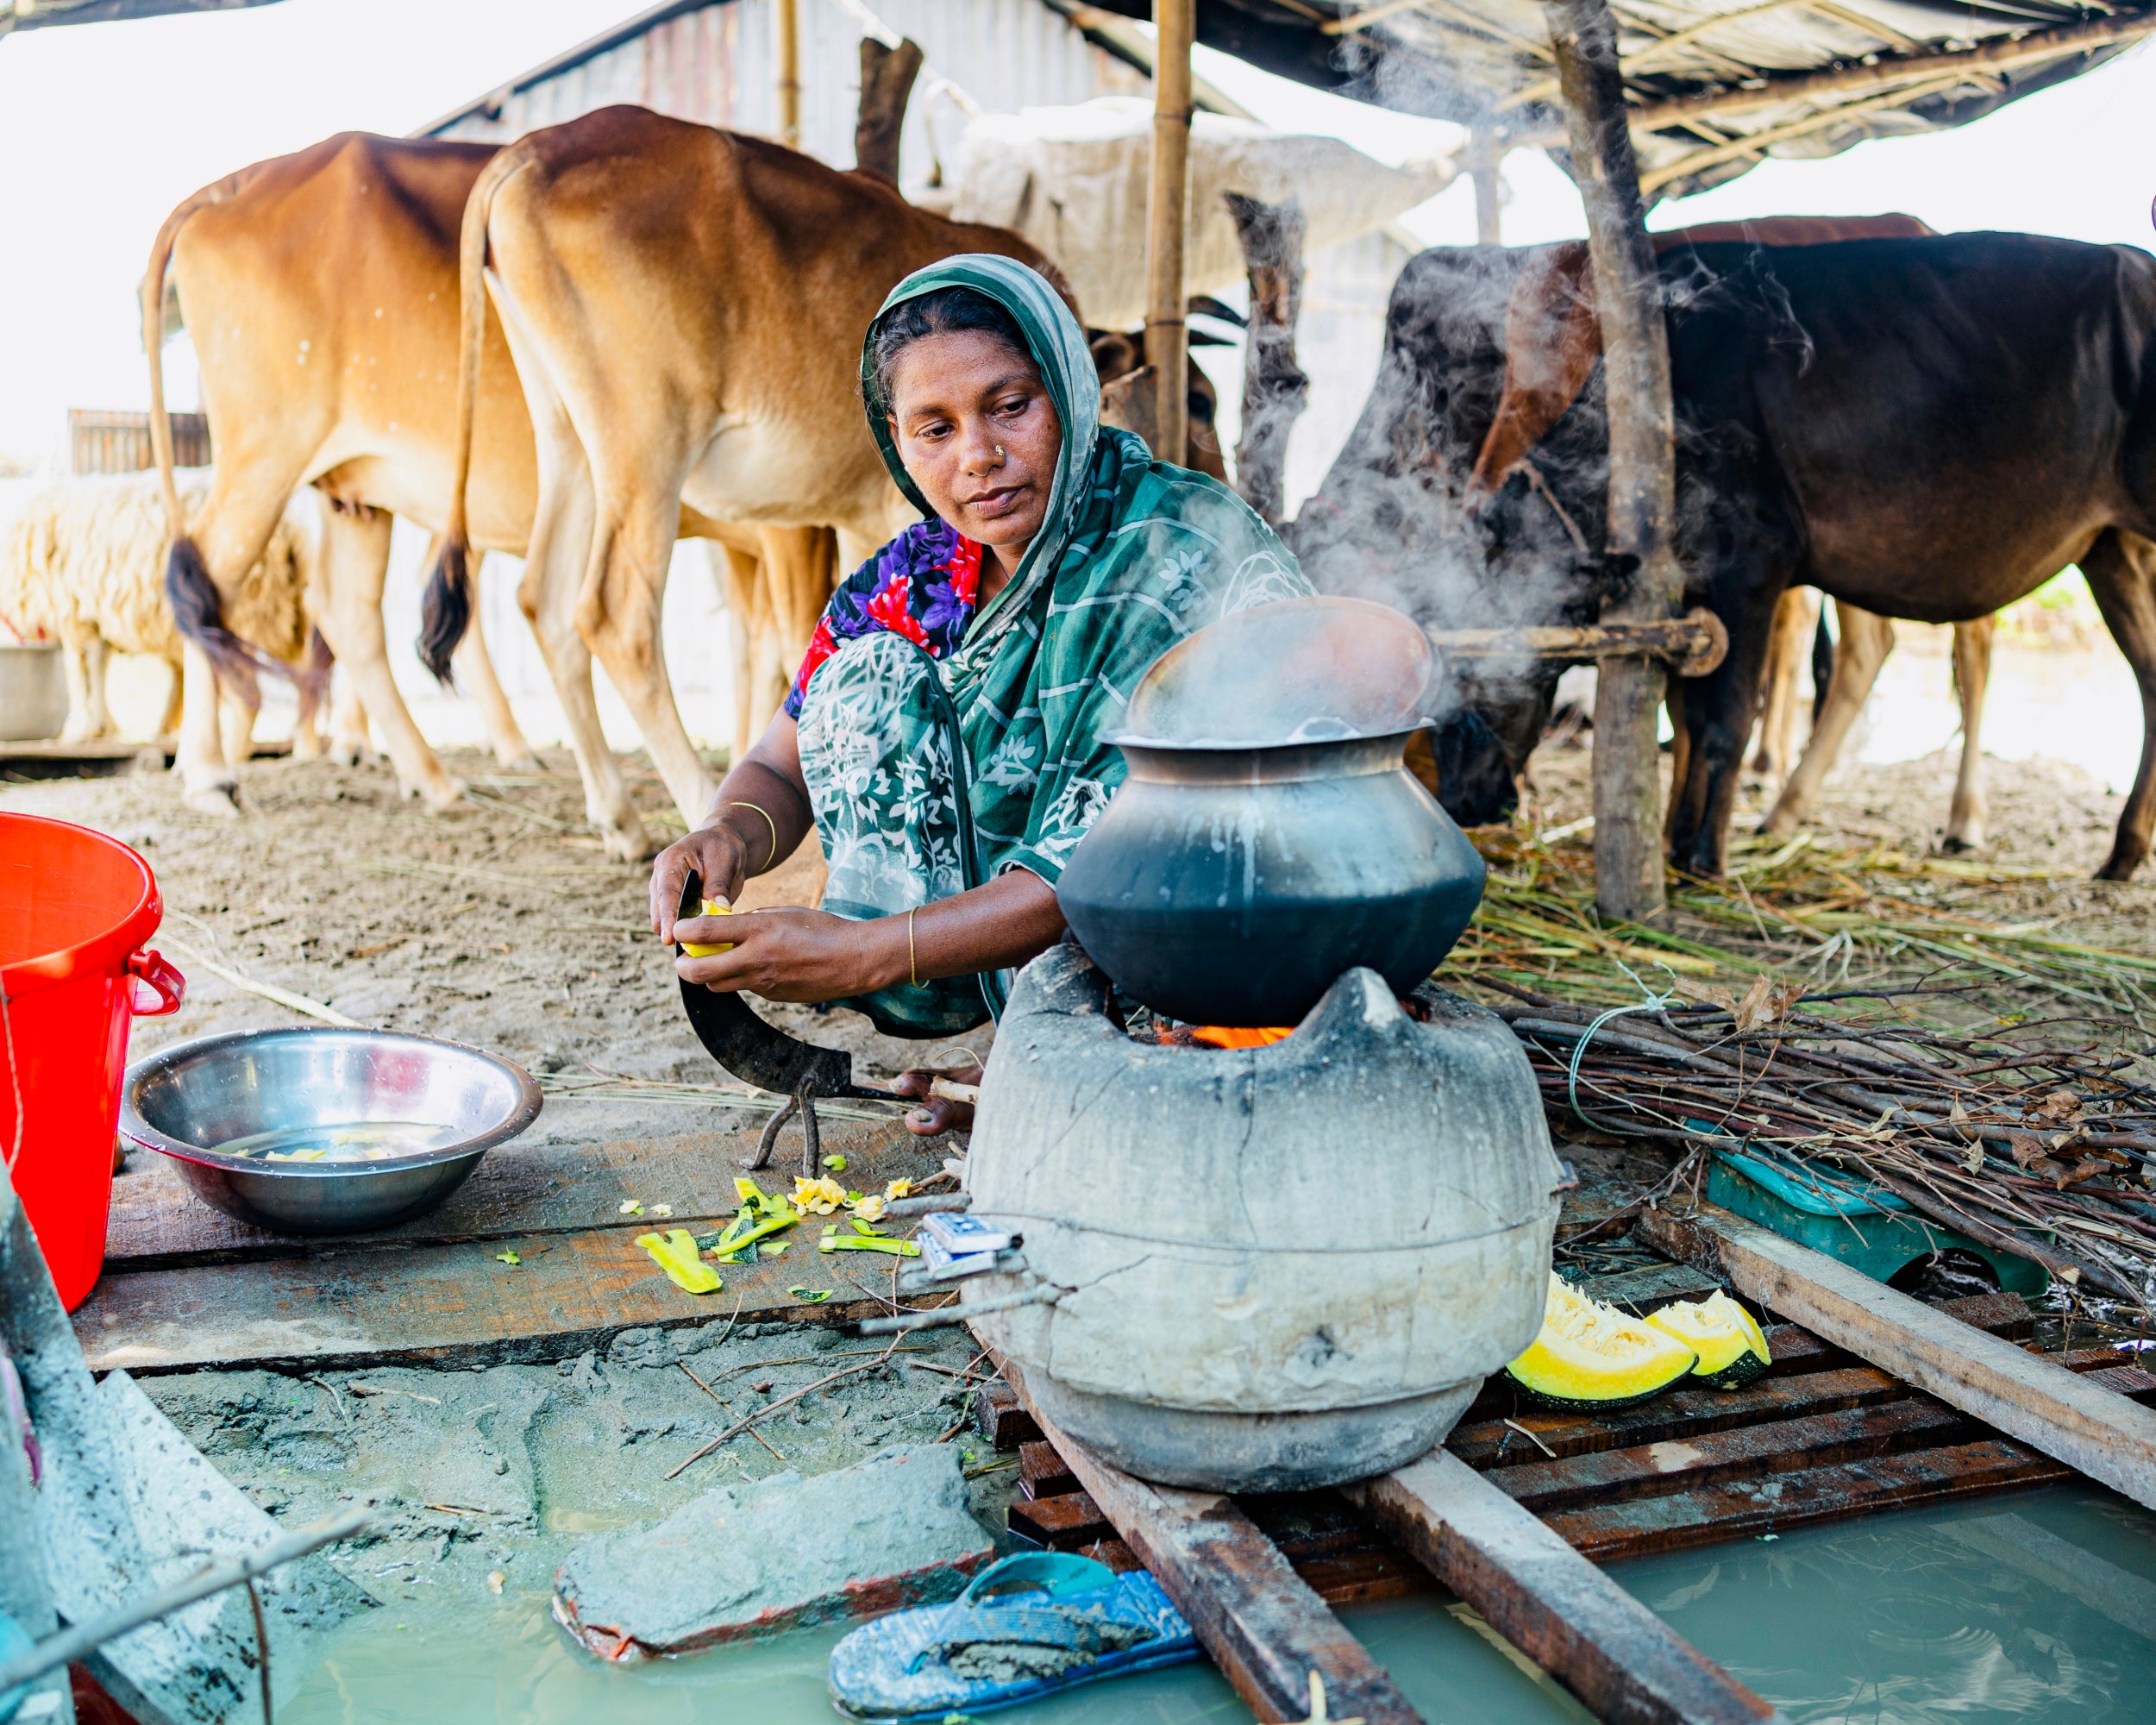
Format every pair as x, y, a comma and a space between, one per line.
1591, 1356
1731, 1347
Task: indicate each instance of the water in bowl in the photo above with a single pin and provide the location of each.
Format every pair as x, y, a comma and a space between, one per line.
348, 1141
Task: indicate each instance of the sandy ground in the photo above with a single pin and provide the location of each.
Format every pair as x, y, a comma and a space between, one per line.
500, 925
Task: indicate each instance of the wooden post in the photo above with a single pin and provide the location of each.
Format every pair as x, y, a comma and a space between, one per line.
1642, 485
1275, 388
886, 85
1485, 156
1167, 332
789, 31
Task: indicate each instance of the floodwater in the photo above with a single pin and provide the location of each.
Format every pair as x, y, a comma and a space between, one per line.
2035, 1606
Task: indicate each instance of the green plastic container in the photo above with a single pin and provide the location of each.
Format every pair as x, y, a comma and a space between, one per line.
1867, 1227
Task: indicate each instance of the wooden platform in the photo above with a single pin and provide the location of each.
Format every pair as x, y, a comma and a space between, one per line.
1507, 1514
106, 757
185, 1288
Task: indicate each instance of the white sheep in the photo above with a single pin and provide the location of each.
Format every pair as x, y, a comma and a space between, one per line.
84, 564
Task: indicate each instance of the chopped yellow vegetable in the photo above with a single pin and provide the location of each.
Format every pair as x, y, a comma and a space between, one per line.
632, 1207
675, 1253
869, 1209
897, 1189
711, 908
819, 1197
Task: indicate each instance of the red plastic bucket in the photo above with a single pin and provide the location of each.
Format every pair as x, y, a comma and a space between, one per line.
75, 910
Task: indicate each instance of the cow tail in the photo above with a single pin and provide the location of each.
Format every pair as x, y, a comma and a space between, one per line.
1822, 664
197, 607
445, 610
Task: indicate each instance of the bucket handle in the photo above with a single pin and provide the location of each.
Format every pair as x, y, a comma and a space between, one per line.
151, 969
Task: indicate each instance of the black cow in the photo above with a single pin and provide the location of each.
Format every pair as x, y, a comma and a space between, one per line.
1927, 427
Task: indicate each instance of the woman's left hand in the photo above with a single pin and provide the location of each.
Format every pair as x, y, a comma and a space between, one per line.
789, 955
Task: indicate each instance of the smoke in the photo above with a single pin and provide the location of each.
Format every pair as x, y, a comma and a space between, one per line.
1393, 522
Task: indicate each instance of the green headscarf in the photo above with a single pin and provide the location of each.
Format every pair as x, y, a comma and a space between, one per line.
1132, 556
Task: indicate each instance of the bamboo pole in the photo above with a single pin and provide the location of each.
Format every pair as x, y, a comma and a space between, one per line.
1485, 158
1166, 336
789, 28
1996, 55
1642, 483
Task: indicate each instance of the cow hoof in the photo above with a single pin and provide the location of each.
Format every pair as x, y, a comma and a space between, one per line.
627, 847
353, 755
1961, 844
524, 764
449, 795
221, 800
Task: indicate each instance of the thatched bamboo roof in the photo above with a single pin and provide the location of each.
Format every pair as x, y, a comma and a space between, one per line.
1716, 84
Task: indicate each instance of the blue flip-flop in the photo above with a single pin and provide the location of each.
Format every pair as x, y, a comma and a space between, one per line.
1028, 1627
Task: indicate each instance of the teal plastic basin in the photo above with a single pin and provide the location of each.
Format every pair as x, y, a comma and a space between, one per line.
1866, 1226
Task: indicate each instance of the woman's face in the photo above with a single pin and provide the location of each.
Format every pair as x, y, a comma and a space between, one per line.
976, 431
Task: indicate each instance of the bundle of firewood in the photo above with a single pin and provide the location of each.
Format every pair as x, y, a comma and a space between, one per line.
2032, 1137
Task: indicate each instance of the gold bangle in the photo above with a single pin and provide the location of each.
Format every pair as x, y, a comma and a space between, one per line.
912, 966
768, 821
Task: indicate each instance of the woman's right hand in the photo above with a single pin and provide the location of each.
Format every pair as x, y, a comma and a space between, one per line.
715, 853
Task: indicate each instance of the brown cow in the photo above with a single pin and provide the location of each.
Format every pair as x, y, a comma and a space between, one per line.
687, 308
1553, 335
307, 282
322, 290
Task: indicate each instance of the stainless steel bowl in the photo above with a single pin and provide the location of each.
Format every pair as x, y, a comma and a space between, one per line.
188, 1100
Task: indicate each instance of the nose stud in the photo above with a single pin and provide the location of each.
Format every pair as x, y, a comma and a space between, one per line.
1000, 454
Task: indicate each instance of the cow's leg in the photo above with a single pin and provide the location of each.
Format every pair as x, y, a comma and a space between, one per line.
350, 743
198, 720
619, 615
236, 711
246, 500
1786, 645
1865, 641
736, 573
354, 566
1717, 712
553, 565
475, 677
800, 566
1972, 677
83, 654
2121, 571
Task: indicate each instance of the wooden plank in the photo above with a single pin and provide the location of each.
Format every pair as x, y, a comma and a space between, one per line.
1640, 1291
1041, 1472
1679, 1414
1609, 1533
2086, 1425
1000, 1418
1748, 1453
1062, 1523
1265, 1627
1621, 1660
441, 1305
157, 1222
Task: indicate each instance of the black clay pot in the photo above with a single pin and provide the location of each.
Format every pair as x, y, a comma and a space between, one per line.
1269, 836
